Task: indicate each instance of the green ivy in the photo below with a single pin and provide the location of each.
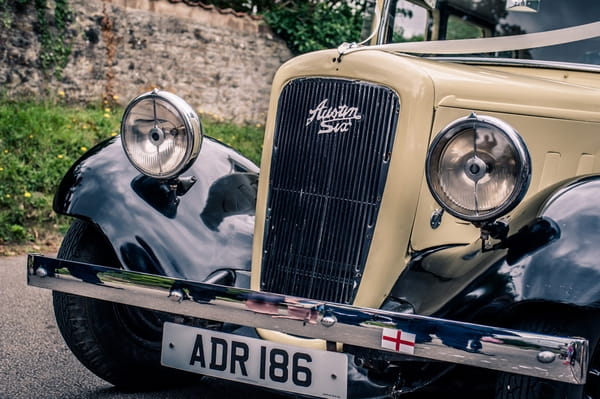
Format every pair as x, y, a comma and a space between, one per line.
6, 17
55, 48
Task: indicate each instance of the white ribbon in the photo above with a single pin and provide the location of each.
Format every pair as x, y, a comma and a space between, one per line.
488, 44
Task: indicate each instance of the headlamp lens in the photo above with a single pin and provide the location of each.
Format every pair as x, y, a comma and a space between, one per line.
161, 134
478, 168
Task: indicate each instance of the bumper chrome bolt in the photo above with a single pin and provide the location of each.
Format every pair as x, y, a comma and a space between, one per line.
328, 321
41, 272
546, 357
176, 295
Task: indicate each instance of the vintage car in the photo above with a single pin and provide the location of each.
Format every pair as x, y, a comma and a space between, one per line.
426, 217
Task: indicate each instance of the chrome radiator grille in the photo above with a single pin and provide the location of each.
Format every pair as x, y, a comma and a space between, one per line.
331, 151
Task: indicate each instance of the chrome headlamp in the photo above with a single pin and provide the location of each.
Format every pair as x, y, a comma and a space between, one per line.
478, 168
161, 134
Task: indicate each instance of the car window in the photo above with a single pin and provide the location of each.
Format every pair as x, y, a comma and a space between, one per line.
410, 22
460, 28
469, 19
555, 14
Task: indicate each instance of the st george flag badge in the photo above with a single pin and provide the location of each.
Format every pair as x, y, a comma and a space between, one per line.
398, 340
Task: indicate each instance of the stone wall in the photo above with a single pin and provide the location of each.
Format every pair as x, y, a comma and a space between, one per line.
219, 61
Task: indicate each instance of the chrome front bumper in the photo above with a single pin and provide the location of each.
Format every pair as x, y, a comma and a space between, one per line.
555, 358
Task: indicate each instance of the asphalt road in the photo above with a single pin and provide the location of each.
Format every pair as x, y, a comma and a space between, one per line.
36, 363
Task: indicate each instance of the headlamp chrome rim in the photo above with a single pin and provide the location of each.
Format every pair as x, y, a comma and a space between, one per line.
473, 167
189, 121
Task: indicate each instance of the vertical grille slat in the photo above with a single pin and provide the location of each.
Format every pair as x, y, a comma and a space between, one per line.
325, 187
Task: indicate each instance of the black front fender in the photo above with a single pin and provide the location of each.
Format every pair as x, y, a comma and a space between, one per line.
155, 231
552, 254
567, 270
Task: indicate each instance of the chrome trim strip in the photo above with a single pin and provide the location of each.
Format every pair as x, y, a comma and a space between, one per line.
555, 358
517, 62
384, 22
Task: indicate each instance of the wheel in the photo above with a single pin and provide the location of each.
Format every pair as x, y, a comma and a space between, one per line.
563, 322
120, 344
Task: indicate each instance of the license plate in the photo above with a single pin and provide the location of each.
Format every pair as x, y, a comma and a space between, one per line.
253, 361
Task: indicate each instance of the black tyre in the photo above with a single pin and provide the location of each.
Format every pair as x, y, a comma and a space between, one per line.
120, 344
563, 322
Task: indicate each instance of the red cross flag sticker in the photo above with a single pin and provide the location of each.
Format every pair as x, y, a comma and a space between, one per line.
398, 340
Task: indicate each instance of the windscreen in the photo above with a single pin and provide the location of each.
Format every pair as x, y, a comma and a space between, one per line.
468, 19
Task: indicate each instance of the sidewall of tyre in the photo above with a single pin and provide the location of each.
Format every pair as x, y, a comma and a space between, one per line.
96, 333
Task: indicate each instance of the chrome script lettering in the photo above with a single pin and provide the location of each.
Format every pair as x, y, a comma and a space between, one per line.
333, 119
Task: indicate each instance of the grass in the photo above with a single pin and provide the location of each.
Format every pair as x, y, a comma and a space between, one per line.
39, 140
246, 138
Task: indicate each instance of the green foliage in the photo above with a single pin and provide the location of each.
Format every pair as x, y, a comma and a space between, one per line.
39, 141
5, 15
51, 28
246, 139
55, 49
306, 25
314, 25
398, 37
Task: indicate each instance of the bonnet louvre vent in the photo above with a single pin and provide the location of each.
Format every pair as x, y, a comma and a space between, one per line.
331, 152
